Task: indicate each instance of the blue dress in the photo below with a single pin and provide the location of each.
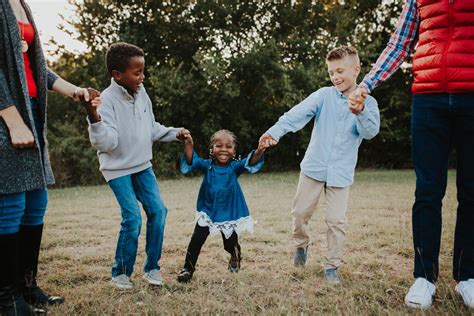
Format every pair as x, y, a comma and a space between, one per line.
221, 204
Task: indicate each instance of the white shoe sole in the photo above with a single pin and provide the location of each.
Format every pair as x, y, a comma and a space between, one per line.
416, 305
122, 286
153, 282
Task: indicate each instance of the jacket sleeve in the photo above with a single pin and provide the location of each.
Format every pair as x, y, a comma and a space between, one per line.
5, 96
51, 77
103, 134
368, 121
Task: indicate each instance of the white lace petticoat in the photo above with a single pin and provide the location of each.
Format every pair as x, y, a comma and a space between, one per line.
227, 227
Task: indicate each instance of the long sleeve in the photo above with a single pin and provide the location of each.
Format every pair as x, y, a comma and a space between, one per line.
368, 121
160, 132
103, 134
296, 118
243, 165
5, 96
52, 77
401, 44
196, 164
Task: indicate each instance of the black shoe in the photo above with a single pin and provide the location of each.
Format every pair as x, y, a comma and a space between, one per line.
17, 306
36, 296
234, 264
185, 276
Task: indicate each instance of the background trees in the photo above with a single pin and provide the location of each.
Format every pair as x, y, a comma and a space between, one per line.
228, 64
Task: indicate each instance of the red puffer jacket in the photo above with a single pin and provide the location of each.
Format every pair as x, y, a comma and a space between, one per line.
444, 57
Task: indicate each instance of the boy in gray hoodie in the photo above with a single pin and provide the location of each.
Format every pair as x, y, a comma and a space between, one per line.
123, 130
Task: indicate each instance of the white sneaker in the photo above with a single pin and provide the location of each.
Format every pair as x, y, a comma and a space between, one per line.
122, 281
154, 277
466, 290
420, 294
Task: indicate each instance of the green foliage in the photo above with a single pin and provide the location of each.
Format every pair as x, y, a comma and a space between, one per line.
227, 64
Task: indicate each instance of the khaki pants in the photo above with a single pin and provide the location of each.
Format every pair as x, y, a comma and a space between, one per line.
304, 204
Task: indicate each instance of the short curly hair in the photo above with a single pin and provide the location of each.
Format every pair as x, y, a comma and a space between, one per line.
341, 52
119, 54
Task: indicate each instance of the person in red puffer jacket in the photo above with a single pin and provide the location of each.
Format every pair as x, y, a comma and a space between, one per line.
442, 31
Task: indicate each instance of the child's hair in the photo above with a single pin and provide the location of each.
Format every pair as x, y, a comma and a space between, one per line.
341, 52
118, 55
224, 132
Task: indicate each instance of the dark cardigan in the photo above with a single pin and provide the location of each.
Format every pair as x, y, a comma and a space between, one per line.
22, 169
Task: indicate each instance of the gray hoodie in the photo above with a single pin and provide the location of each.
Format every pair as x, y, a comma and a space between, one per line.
124, 137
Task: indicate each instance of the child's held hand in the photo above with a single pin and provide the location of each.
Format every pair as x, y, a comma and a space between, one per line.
92, 104
356, 100
267, 141
184, 135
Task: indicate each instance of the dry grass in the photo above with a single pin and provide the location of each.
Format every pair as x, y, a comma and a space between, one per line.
82, 225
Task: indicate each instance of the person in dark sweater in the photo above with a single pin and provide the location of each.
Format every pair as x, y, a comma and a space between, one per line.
25, 169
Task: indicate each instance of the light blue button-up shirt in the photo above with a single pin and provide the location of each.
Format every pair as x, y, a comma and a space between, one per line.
331, 155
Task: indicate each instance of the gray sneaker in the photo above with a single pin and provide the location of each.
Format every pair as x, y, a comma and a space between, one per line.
122, 281
332, 277
154, 277
301, 255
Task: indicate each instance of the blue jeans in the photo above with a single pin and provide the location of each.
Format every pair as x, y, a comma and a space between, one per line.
128, 190
24, 208
441, 122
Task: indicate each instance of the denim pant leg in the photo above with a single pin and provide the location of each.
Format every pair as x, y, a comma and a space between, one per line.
12, 208
148, 193
463, 259
127, 244
431, 142
35, 208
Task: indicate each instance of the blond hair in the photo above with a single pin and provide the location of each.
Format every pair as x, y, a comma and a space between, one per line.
341, 52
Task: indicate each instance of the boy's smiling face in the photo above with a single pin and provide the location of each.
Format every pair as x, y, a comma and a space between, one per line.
343, 73
133, 76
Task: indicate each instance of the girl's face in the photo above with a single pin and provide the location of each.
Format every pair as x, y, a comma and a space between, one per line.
223, 149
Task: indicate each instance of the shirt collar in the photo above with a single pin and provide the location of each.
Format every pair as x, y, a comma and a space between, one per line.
122, 91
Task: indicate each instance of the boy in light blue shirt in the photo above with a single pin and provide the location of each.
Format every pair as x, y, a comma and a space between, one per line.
331, 156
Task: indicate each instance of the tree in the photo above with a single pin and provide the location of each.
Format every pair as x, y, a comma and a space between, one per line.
228, 64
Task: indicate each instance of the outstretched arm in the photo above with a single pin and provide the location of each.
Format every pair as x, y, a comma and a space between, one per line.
401, 44
185, 136
257, 155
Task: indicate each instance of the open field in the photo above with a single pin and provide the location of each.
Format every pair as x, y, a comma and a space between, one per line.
82, 225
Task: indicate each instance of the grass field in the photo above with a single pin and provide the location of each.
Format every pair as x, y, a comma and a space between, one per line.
82, 226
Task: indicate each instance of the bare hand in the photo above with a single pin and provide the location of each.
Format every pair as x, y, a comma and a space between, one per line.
81, 94
356, 100
21, 136
184, 135
92, 104
267, 140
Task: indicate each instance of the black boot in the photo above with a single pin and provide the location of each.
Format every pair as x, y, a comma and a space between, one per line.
12, 302
30, 241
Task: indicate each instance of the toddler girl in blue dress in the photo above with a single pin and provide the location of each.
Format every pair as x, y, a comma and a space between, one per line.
221, 204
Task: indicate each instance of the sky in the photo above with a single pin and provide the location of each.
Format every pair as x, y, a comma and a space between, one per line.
46, 15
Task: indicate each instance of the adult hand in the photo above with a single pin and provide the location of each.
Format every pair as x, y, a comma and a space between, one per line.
81, 94
21, 136
356, 99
